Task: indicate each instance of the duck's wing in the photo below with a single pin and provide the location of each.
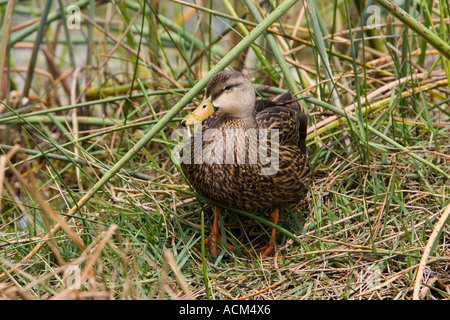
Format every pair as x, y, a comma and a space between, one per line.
280, 100
285, 115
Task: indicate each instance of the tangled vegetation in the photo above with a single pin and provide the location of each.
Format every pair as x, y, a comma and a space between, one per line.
92, 205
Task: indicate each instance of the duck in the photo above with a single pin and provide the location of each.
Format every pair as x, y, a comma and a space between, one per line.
246, 153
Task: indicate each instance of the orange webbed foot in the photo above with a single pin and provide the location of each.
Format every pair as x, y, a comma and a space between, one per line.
215, 238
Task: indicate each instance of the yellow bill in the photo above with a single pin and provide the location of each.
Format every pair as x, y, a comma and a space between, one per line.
203, 111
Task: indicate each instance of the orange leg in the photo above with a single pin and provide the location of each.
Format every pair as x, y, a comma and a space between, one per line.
214, 236
270, 247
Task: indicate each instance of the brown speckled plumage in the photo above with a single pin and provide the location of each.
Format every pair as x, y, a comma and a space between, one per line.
241, 185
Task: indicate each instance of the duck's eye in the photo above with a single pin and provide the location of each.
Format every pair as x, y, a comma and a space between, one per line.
227, 88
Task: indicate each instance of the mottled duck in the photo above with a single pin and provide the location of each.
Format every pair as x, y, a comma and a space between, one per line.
248, 154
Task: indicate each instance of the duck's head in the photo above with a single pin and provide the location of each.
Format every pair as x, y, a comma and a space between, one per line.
229, 92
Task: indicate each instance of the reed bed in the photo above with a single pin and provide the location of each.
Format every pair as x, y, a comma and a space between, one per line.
92, 205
